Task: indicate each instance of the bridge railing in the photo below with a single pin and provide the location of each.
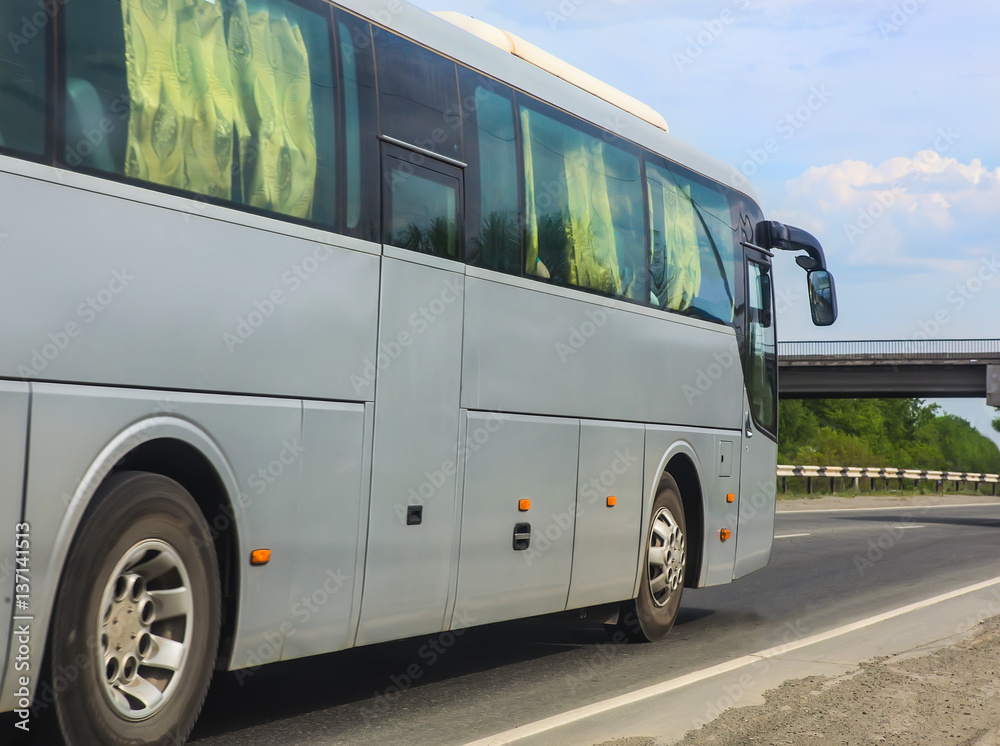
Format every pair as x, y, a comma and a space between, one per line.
900, 349
873, 473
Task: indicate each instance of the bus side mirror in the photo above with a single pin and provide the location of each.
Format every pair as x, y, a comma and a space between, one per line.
822, 297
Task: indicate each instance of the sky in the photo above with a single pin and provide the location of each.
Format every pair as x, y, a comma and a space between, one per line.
873, 124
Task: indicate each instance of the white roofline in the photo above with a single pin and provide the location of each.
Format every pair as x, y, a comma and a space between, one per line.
538, 57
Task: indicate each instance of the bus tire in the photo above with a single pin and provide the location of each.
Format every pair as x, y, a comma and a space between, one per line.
137, 616
651, 615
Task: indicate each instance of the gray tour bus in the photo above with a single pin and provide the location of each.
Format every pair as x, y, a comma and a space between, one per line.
333, 324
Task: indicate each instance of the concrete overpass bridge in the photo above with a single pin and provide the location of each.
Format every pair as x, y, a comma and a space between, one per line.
932, 369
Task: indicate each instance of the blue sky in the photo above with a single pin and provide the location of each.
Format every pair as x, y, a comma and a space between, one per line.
881, 118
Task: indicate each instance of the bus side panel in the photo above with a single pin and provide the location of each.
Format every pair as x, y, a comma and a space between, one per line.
116, 292
248, 439
326, 518
704, 448
415, 452
13, 441
512, 458
606, 545
533, 351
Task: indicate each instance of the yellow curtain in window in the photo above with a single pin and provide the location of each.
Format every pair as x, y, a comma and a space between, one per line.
277, 127
155, 150
209, 104
531, 209
683, 251
593, 259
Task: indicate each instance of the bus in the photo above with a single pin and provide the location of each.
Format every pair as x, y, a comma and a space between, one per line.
330, 324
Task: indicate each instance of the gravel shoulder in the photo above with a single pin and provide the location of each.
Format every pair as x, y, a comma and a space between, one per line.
948, 696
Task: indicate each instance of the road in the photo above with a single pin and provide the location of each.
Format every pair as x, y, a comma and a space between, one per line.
828, 569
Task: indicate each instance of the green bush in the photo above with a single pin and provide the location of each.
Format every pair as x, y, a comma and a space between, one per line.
897, 433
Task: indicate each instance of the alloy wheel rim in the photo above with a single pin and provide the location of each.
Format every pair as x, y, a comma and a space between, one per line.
145, 627
665, 557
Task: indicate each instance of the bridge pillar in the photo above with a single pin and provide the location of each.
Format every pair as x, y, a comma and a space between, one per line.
993, 385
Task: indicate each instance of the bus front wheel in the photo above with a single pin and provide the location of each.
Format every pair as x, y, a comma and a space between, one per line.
136, 624
652, 614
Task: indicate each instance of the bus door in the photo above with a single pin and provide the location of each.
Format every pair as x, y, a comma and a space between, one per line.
760, 418
414, 511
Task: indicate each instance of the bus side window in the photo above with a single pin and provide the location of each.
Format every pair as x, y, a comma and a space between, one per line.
359, 119
692, 261
418, 95
492, 178
584, 222
22, 80
232, 101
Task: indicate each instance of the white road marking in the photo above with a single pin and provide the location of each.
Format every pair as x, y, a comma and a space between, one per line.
791, 536
903, 528
581, 713
807, 511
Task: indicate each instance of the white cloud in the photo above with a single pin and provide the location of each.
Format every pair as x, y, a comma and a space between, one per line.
921, 213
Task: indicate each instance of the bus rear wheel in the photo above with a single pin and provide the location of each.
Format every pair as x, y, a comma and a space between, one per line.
136, 627
651, 616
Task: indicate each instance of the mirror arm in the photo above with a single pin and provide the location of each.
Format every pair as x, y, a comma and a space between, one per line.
778, 236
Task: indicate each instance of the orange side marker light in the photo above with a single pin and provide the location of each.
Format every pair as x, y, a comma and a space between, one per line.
730, 498
524, 505
725, 534
260, 557
612, 501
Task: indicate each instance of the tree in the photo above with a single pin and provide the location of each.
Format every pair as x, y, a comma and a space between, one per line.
996, 423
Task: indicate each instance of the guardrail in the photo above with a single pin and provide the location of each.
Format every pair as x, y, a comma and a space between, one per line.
857, 474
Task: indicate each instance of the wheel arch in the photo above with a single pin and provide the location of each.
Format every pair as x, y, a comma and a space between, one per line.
685, 473
178, 450
682, 463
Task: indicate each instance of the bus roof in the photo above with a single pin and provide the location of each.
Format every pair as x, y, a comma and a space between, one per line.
498, 62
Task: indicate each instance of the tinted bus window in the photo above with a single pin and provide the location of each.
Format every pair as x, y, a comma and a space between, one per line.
492, 178
418, 95
585, 222
230, 100
360, 128
692, 262
23, 51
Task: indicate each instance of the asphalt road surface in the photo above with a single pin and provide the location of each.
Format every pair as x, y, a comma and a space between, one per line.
827, 569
